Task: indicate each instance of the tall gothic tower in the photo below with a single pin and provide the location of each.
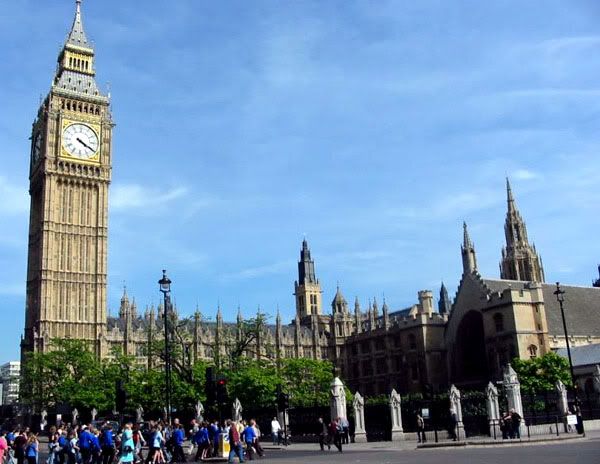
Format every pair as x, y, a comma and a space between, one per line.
467, 250
307, 287
68, 183
520, 260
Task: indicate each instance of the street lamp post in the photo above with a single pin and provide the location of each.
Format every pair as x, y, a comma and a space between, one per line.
165, 288
560, 297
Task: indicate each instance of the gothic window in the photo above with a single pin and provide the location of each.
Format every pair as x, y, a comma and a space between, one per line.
414, 372
499, 322
412, 342
532, 351
379, 344
381, 366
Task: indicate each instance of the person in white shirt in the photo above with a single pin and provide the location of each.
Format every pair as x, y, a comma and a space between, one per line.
275, 430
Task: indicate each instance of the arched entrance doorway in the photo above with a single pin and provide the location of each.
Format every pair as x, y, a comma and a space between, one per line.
470, 360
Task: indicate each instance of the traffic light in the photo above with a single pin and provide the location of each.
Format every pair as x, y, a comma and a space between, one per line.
222, 395
120, 396
210, 386
283, 401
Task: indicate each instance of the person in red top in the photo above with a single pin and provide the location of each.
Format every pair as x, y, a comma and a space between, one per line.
234, 442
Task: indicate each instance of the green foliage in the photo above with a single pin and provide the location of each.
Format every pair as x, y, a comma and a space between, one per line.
537, 375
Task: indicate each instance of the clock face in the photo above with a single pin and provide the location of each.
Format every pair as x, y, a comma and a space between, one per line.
37, 146
80, 141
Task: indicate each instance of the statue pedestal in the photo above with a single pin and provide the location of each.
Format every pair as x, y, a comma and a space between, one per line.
397, 435
360, 437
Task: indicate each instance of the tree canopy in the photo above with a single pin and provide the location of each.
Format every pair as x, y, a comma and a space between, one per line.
541, 373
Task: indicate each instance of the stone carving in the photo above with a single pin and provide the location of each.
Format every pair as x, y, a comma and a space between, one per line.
456, 407
75, 415
199, 411
139, 414
512, 387
396, 412
236, 411
43, 421
94, 414
563, 403
338, 400
493, 409
360, 434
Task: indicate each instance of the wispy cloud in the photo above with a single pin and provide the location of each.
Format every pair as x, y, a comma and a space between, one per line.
128, 197
524, 174
259, 271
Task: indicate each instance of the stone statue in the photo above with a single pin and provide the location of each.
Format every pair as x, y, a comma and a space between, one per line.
597, 378
358, 403
94, 414
338, 400
199, 411
512, 387
75, 414
236, 413
396, 412
139, 414
563, 403
43, 421
493, 408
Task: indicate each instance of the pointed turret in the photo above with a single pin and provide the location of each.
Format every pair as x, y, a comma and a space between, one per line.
124, 307
357, 316
240, 319
444, 304
307, 288
77, 36
375, 309
386, 315
467, 249
339, 305
520, 260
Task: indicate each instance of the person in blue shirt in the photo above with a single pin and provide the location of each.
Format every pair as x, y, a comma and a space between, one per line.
63, 447
85, 446
96, 450
31, 451
214, 437
249, 435
202, 441
107, 442
178, 439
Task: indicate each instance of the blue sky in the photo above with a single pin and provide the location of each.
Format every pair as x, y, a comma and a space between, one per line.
373, 128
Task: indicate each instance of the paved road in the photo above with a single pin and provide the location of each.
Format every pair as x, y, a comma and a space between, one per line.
586, 451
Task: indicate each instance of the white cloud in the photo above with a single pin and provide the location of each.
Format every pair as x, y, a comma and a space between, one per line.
524, 174
126, 197
259, 271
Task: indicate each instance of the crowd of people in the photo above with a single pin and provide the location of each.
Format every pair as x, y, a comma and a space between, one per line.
510, 425
105, 443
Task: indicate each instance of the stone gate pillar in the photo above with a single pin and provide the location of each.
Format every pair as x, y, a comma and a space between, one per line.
512, 386
396, 412
360, 433
563, 403
493, 409
338, 400
597, 378
456, 408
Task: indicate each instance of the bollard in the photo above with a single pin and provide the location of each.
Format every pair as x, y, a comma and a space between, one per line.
528, 432
557, 431
435, 434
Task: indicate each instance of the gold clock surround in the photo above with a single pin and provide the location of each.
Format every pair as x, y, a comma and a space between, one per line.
66, 122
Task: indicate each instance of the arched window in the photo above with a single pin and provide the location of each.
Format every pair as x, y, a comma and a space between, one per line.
412, 342
499, 322
532, 351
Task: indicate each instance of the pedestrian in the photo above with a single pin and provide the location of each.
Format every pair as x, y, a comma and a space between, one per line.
248, 437
235, 443
323, 435
96, 449
19, 446
31, 449
202, 441
506, 426
3, 446
453, 424
178, 439
515, 421
127, 445
214, 437
107, 443
157, 440
345, 430
52, 446
275, 430
421, 429
257, 445
335, 434
139, 442
85, 445
73, 448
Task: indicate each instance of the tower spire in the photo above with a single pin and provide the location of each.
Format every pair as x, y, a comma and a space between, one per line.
520, 260
468, 252
77, 35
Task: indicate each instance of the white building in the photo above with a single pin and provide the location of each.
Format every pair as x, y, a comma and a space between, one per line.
10, 373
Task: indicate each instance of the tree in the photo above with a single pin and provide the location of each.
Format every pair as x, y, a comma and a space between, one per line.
541, 374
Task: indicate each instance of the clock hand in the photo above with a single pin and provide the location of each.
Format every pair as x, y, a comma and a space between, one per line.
84, 144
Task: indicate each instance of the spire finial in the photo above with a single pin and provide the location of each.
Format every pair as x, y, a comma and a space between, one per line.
509, 195
466, 237
77, 35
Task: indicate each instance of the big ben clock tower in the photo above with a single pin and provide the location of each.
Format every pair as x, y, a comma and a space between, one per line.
69, 178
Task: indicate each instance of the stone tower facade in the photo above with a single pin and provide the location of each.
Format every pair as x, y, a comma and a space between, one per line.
69, 177
307, 288
520, 260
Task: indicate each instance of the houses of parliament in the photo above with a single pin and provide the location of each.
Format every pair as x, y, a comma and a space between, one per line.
463, 340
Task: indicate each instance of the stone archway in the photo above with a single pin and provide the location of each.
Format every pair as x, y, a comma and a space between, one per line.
470, 359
